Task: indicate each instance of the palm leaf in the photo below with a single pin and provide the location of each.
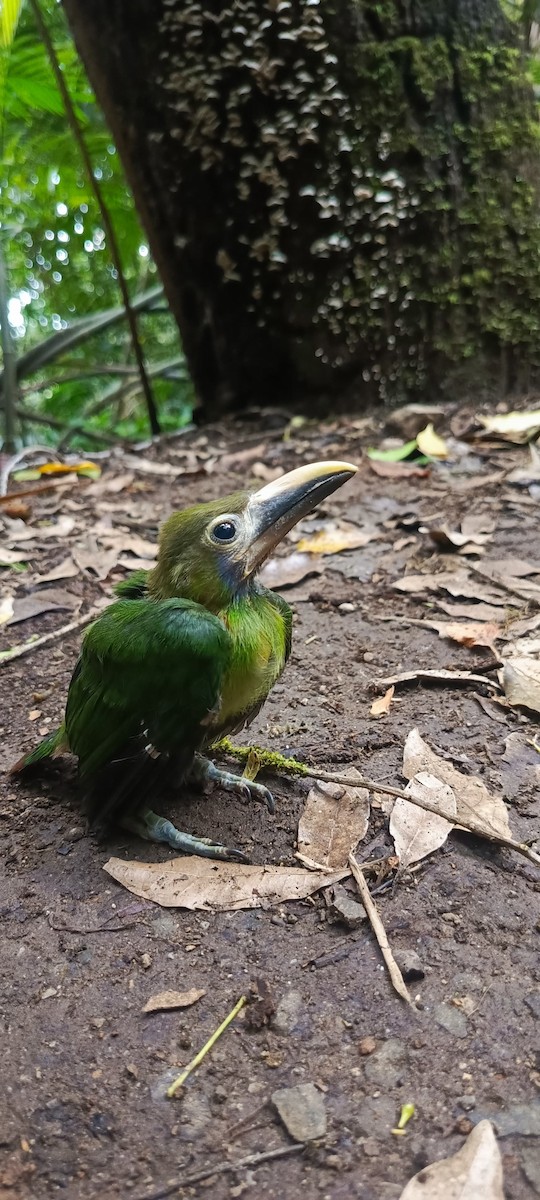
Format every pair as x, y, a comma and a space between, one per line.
10, 11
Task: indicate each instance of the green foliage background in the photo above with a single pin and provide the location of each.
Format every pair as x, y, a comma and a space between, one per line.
57, 259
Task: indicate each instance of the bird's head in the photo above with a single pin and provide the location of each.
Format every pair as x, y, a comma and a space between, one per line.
210, 553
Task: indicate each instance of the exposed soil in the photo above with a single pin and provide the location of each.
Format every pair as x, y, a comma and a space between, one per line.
82, 1105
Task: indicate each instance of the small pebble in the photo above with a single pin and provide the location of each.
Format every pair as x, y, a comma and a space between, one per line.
467, 1103
410, 965
302, 1112
367, 1045
347, 607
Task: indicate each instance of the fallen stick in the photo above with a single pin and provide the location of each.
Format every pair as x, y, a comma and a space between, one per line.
271, 761
251, 1160
6, 656
181, 1078
377, 926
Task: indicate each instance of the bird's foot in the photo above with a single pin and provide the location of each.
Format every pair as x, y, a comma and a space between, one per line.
205, 771
152, 828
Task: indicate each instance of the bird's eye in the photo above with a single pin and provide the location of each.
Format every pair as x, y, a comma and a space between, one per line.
224, 531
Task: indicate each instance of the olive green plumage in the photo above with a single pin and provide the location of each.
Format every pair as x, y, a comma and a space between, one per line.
188, 653
161, 675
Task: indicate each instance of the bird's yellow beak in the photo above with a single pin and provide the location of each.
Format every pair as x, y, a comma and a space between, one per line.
279, 505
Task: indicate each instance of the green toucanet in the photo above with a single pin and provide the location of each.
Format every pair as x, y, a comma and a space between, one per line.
187, 654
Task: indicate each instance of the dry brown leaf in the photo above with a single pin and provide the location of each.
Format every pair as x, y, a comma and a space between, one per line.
520, 679
521, 627
67, 569
454, 539
525, 476
398, 470
6, 610
111, 485
430, 443
522, 647
91, 559
415, 831
122, 540
380, 707
334, 820
243, 458
15, 508
474, 1173
437, 676
474, 524
260, 470
200, 883
467, 633
457, 583
520, 767
146, 467
9, 557
136, 564
516, 567
472, 612
19, 532
472, 797
335, 538
284, 572
166, 1000
48, 600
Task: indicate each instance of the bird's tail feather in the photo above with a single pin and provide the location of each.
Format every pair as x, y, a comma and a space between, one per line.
128, 783
53, 744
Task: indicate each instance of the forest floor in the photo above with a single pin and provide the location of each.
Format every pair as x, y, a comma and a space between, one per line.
83, 1106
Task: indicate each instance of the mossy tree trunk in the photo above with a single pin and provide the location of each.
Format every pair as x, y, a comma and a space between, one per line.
338, 193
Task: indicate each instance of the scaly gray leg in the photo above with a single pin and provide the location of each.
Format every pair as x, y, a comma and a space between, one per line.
148, 825
203, 770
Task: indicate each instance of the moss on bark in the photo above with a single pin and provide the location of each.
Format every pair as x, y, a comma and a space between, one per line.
337, 194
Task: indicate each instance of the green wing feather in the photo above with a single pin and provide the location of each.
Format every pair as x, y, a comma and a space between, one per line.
149, 673
287, 614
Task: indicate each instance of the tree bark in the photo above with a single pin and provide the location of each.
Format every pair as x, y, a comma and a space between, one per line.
338, 195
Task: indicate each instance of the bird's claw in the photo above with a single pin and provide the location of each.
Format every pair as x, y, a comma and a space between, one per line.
158, 829
248, 789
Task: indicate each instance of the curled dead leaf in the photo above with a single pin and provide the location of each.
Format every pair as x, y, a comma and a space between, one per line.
381, 706
67, 569
285, 572
520, 678
334, 538
438, 676
474, 1173
167, 1000
467, 633
398, 470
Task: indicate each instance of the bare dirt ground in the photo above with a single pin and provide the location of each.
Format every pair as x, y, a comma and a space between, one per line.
83, 1111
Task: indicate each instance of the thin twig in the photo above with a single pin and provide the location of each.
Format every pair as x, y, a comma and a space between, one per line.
40, 487
21, 456
469, 824
207, 1046
290, 766
39, 418
380, 933
224, 1168
6, 656
105, 215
